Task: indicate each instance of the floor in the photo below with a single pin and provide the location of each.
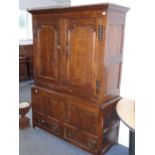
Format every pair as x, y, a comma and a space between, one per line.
39, 142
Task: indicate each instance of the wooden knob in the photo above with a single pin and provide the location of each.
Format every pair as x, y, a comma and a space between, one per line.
103, 13
70, 90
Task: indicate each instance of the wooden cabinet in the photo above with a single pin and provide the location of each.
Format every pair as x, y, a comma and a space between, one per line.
47, 52
67, 57
23, 68
26, 52
77, 69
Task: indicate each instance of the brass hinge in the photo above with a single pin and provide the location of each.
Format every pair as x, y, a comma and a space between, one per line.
97, 87
100, 33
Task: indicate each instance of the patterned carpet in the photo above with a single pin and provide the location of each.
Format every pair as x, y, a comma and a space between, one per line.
39, 142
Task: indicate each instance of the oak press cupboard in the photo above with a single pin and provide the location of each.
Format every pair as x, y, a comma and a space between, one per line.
77, 69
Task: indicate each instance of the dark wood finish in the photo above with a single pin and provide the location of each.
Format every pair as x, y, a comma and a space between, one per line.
27, 51
23, 68
77, 69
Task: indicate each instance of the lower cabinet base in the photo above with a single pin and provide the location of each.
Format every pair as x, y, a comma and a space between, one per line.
87, 126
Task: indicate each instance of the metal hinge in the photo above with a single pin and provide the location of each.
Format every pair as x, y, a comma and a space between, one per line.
34, 34
100, 33
97, 87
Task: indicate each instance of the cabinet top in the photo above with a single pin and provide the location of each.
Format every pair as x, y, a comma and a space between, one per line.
103, 6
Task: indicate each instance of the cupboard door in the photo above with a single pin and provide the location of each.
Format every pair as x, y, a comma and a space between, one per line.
46, 38
80, 68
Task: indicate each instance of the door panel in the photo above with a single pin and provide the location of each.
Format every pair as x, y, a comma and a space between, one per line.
48, 65
47, 51
81, 61
81, 57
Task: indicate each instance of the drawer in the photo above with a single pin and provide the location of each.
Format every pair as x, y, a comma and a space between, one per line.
71, 134
90, 143
41, 122
52, 127
84, 141
56, 129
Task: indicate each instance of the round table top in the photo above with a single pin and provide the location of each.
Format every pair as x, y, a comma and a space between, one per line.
126, 111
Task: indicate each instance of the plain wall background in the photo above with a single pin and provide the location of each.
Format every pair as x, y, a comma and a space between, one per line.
28, 4
138, 76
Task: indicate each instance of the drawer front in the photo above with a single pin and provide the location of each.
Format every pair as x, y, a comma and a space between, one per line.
81, 139
52, 127
40, 121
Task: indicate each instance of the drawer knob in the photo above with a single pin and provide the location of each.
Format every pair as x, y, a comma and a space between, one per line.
70, 90
103, 13
36, 91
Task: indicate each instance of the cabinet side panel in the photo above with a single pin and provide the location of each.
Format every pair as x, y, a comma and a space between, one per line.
110, 125
113, 53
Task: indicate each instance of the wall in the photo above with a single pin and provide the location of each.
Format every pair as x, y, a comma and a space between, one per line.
29, 4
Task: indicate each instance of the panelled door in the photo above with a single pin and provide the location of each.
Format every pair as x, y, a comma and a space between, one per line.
81, 56
46, 41
67, 54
